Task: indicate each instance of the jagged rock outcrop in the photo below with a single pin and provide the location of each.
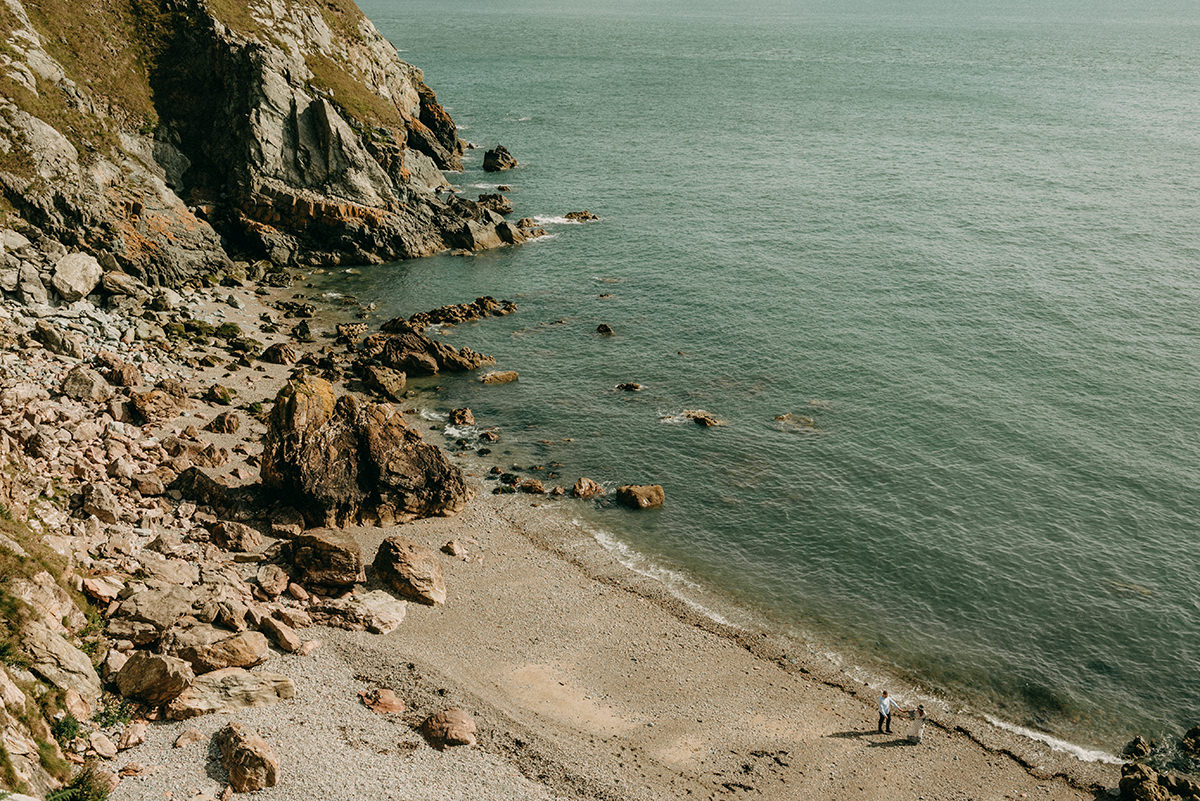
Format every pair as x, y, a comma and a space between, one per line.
341, 460
160, 137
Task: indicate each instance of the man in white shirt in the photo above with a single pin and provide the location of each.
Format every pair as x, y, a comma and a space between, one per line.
887, 705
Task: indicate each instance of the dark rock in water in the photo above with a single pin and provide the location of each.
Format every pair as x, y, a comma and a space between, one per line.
500, 377
405, 347
338, 459
279, 353
581, 216
526, 222
384, 380
497, 203
498, 159
702, 418
641, 496
532, 486
630, 387
461, 417
454, 314
1137, 748
605, 329
1142, 783
586, 489
412, 570
326, 557
1190, 744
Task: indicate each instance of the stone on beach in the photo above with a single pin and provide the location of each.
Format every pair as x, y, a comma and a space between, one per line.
229, 689
327, 557
76, 276
247, 757
154, 679
412, 570
343, 458
375, 611
641, 496
449, 727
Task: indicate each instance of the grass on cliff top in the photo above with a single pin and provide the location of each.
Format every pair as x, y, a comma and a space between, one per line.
102, 47
350, 95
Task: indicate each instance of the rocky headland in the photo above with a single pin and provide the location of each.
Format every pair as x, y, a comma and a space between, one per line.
230, 561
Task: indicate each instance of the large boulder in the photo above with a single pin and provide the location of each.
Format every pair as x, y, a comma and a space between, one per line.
374, 611
59, 662
229, 689
251, 763
341, 460
327, 557
76, 276
586, 489
412, 570
641, 496
154, 679
207, 649
498, 159
85, 384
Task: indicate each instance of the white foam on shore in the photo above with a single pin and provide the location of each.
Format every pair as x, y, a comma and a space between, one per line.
554, 219
674, 582
1077, 751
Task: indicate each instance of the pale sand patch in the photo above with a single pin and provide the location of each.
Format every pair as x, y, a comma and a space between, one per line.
544, 691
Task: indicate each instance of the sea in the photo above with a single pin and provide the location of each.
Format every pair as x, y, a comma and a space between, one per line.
935, 266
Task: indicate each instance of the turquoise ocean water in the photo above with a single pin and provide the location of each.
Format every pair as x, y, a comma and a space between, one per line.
963, 238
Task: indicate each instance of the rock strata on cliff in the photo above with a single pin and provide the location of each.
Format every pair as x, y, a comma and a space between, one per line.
162, 138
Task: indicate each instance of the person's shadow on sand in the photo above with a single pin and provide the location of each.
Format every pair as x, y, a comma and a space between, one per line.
851, 735
892, 743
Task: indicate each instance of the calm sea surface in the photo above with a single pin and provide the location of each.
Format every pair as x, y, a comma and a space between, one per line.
962, 238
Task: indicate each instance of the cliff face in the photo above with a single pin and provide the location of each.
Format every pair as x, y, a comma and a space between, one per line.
175, 135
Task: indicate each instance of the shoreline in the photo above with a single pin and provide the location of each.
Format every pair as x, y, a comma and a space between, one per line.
797, 649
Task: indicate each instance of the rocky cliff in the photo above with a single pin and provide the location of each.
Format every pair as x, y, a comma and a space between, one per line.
170, 137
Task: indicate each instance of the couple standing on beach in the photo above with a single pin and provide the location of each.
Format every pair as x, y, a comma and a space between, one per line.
888, 705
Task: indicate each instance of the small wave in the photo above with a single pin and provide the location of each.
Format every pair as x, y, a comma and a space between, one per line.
461, 432
331, 295
673, 581
432, 416
543, 238
524, 119
482, 186
1077, 751
554, 219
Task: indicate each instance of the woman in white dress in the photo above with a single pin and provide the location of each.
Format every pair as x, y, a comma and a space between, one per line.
918, 726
